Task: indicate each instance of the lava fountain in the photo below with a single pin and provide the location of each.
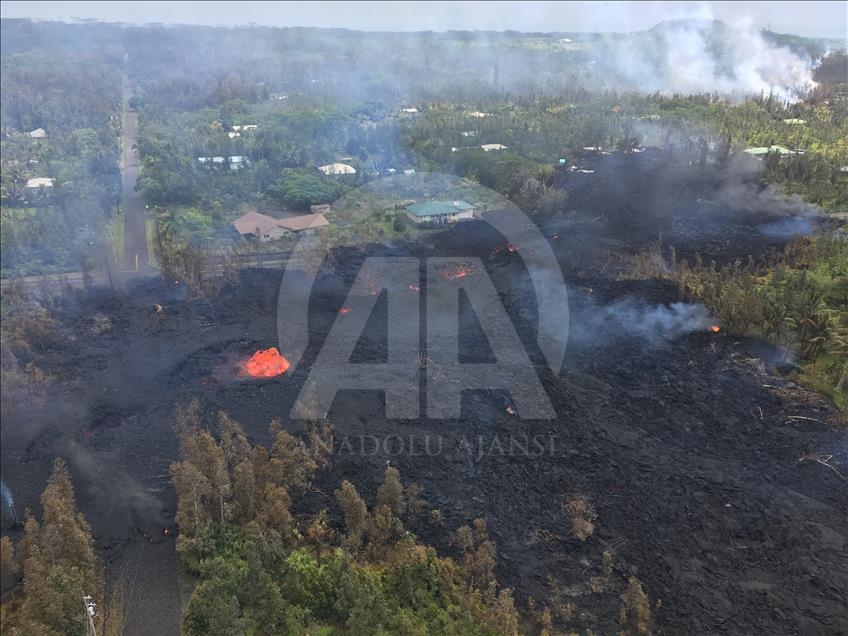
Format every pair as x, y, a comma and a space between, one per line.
267, 363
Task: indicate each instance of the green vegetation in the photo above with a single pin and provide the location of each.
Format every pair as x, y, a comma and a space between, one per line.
536, 132
60, 227
261, 569
341, 98
56, 557
798, 302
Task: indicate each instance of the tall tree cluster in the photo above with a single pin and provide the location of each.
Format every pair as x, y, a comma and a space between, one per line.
59, 567
263, 569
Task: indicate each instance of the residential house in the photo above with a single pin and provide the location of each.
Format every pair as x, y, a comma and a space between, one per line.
39, 182
440, 212
761, 151
304, 222
333, 169
38, 133
267, 228
490, 147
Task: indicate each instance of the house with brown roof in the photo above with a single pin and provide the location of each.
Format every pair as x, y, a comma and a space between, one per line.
267, 228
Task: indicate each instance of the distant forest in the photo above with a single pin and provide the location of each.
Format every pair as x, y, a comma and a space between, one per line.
381, 102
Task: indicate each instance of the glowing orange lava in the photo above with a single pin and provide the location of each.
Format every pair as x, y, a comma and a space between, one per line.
715, 328
509, 247
459, 272
267, 363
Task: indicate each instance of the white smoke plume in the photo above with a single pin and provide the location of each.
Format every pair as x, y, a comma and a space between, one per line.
699, 55
629, 319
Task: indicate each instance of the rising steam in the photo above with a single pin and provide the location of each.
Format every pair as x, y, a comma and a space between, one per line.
704, 56
7, 495
631, 319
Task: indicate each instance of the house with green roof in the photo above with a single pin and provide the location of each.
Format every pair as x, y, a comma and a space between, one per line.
440, 212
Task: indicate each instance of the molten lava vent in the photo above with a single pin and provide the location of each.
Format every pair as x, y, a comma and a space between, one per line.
267, 363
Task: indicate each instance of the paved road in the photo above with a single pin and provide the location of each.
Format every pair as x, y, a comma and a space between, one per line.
135, 234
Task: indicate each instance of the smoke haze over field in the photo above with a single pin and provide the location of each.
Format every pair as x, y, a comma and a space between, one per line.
666, 47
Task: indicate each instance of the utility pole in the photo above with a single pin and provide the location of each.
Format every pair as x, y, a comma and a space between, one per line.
89, 612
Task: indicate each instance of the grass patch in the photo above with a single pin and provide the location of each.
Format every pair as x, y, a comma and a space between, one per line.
116, 231
150, 233
819, 376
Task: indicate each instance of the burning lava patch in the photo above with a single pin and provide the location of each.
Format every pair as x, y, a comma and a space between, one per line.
267, 363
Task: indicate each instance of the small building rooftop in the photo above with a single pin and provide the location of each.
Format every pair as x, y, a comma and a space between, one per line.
436, 208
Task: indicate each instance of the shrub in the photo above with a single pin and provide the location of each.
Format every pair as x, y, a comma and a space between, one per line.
582, 516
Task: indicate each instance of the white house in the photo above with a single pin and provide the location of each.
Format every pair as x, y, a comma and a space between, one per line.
490, 147
332, 169
39, 182
38, 133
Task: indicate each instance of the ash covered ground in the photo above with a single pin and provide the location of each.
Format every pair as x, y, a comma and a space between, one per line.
687, 442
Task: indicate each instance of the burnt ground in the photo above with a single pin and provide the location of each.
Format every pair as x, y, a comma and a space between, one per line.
687, 442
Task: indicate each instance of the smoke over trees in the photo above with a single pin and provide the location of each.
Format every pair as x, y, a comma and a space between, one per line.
56, 557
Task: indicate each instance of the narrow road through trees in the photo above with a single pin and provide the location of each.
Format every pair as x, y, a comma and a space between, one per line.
135, 234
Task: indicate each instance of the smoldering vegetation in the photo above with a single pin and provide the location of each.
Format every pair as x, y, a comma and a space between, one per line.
633, 321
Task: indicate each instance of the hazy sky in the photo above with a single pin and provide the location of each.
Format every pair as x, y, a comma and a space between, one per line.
824, 19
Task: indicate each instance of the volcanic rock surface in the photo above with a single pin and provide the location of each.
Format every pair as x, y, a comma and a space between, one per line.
694, 451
